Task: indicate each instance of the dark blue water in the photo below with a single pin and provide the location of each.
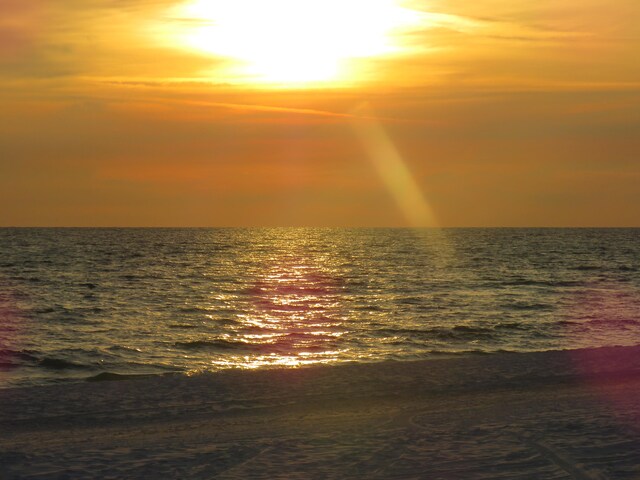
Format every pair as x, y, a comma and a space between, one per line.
77, 303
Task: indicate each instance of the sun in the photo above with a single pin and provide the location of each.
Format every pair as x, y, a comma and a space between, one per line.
295, 41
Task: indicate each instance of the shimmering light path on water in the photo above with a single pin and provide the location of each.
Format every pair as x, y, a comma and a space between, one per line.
75, 303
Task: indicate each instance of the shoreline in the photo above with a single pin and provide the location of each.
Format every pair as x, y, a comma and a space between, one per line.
577, 355
610, 352
535, 414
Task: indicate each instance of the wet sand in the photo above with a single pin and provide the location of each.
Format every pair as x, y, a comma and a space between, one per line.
531, 416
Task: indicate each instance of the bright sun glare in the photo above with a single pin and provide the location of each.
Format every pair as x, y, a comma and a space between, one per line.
295, 41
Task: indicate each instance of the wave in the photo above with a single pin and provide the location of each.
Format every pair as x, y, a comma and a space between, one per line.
10, 359
627, 268
610, 363
212, 344
528, 306
587, 268
287, 343
114, 377
437, 333
44, 310
568, 323
53, 363
19, 354
541, 283
600, 322
123, 348
613, 321
192, 310
477, 367
471, 329
458, 332
513, 326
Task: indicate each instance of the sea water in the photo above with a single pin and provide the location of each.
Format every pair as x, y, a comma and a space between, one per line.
88, 303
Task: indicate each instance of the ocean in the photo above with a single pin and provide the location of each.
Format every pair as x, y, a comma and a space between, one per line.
82, 304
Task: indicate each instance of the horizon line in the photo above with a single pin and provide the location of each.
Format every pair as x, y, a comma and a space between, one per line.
388, 227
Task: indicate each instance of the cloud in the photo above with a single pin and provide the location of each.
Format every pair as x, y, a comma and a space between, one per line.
40, 39
19, 23
499, 106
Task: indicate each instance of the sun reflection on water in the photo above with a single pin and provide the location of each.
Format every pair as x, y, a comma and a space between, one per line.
293, 316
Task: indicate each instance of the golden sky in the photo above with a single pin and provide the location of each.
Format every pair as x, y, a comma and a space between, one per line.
328, 113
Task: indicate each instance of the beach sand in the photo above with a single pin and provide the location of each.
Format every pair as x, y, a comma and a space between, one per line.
551, 415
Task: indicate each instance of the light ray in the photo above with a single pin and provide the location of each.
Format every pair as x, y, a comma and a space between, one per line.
402, 185
392, 169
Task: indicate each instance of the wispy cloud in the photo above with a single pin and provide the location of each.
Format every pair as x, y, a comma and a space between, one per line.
292, 110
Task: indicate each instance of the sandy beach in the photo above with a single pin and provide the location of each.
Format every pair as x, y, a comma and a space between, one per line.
540, 415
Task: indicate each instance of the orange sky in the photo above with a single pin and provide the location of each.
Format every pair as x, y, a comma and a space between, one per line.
495, 113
